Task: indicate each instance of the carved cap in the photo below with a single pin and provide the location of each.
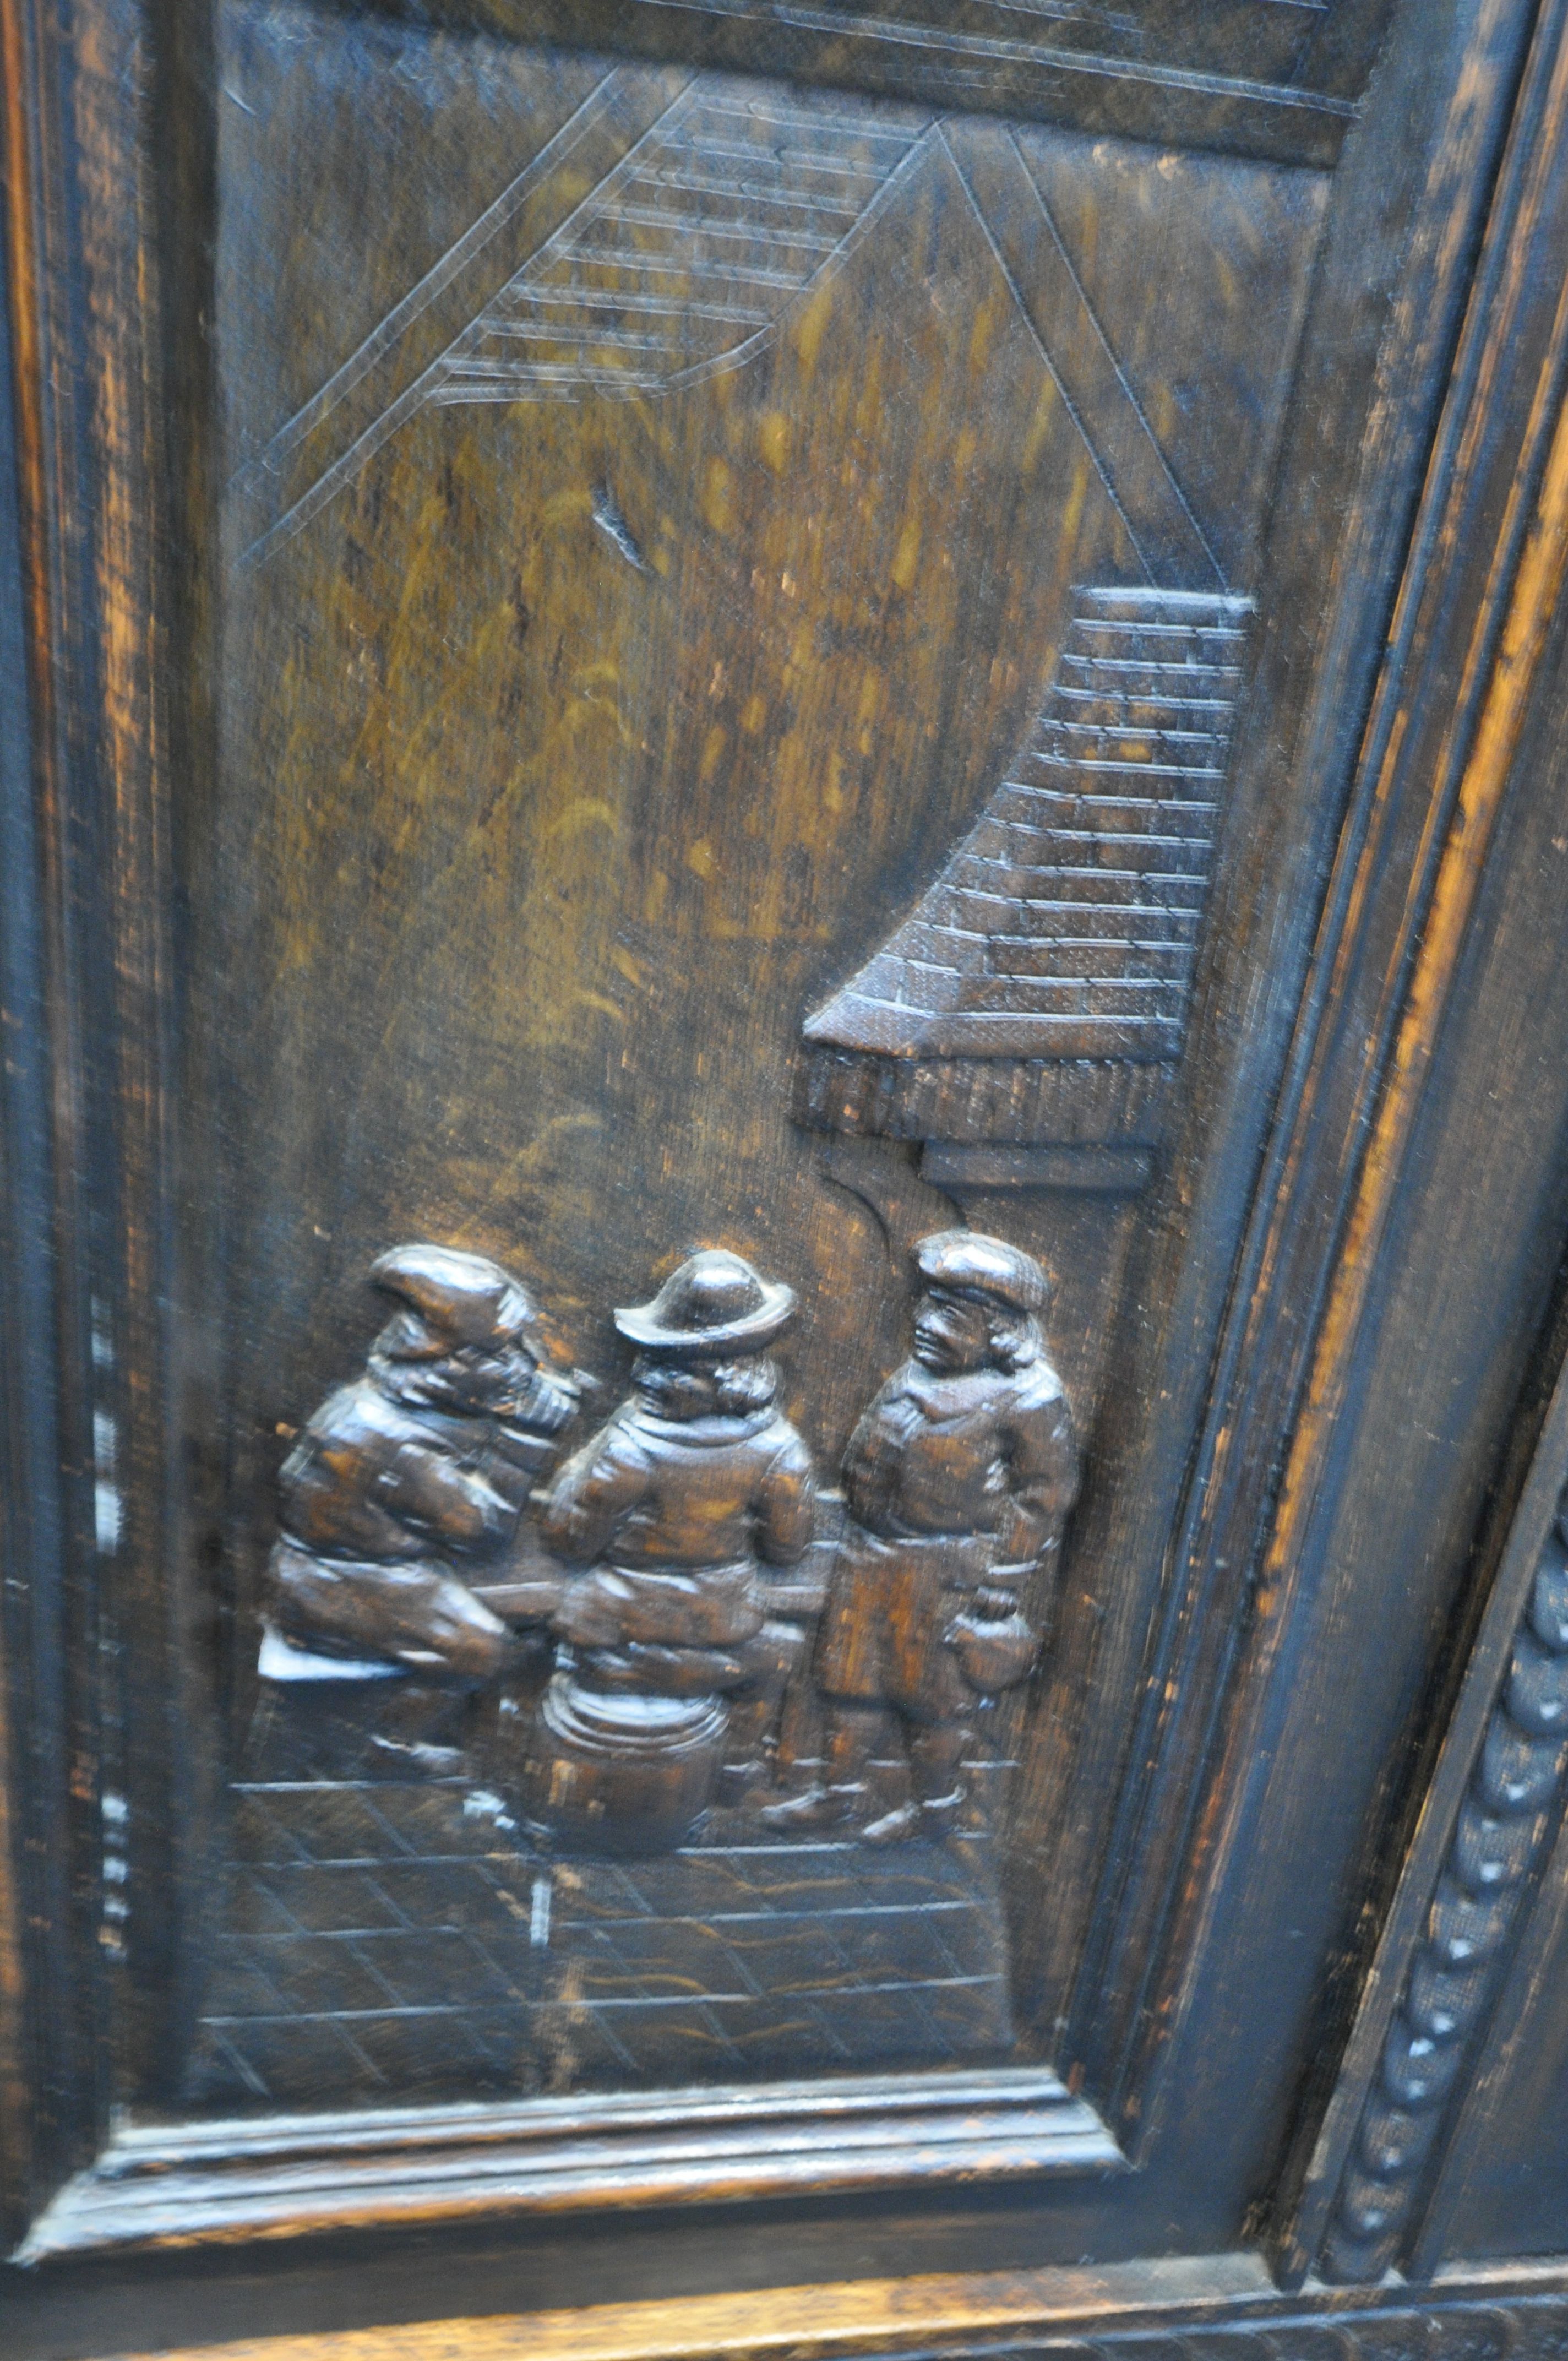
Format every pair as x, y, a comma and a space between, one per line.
714, 1303
979, 1264
462, 1299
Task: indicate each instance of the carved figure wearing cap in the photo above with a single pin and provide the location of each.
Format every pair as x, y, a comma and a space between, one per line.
677, 1510
959, 1480
418, 1468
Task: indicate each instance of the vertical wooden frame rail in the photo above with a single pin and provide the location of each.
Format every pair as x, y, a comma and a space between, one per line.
51, 1833
100, 1637
1464, 1894
1367, 2153
29, 1489
1481, 618
1211, 1395
87, 913
1462, 644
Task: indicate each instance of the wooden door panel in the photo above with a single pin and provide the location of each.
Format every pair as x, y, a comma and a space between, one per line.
724, 534
769, 644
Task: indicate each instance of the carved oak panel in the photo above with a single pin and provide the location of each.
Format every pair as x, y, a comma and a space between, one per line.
626, 616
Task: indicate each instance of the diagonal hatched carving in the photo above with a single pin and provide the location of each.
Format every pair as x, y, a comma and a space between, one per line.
716, 208
714, 204
381, 1936
686, 256
1048, 293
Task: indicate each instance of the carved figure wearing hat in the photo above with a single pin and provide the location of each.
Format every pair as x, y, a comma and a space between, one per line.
677, 1510
413, 1475
959, 1480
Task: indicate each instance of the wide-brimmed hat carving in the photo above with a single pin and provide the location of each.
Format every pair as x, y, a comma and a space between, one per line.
715, 1304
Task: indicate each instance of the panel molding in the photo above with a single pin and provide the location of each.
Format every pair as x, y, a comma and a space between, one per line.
87, 958
100, 700
289, 2176
1352, 2192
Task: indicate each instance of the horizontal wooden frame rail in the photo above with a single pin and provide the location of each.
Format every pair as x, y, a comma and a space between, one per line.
288, 2177
1221, 2306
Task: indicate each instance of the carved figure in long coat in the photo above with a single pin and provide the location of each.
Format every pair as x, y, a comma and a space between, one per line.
959, 1480
412, 1477
677, 1510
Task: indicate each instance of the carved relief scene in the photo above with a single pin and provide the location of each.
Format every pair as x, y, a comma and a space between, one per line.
714, 855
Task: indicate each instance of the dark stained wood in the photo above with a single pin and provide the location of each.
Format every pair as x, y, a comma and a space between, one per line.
31, 1454
1494, 2191
1221, 2302
950, 2317
837, 637
1480, 2177
90, 1010
1529, 479
760, 947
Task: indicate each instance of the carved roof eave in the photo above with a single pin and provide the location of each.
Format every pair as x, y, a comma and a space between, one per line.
1035, 996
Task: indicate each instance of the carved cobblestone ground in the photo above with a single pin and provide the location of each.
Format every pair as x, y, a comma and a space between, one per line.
383, 1939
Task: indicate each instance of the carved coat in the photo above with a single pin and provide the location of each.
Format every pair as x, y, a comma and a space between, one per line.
956, 1484
683, 1512
379, 1494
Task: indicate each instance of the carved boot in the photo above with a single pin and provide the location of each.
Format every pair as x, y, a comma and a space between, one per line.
938, 1796
819, 1808
838, 1799
925, 1816
895, 1826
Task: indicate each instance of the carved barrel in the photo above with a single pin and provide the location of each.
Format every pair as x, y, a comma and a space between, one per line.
616, 1771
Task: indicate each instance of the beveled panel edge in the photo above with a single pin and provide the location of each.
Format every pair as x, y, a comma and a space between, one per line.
284, 2176
981, 66
86, 1126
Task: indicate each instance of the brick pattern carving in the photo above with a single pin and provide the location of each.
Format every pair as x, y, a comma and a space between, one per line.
686, 256
1038, 992
1504, 1822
